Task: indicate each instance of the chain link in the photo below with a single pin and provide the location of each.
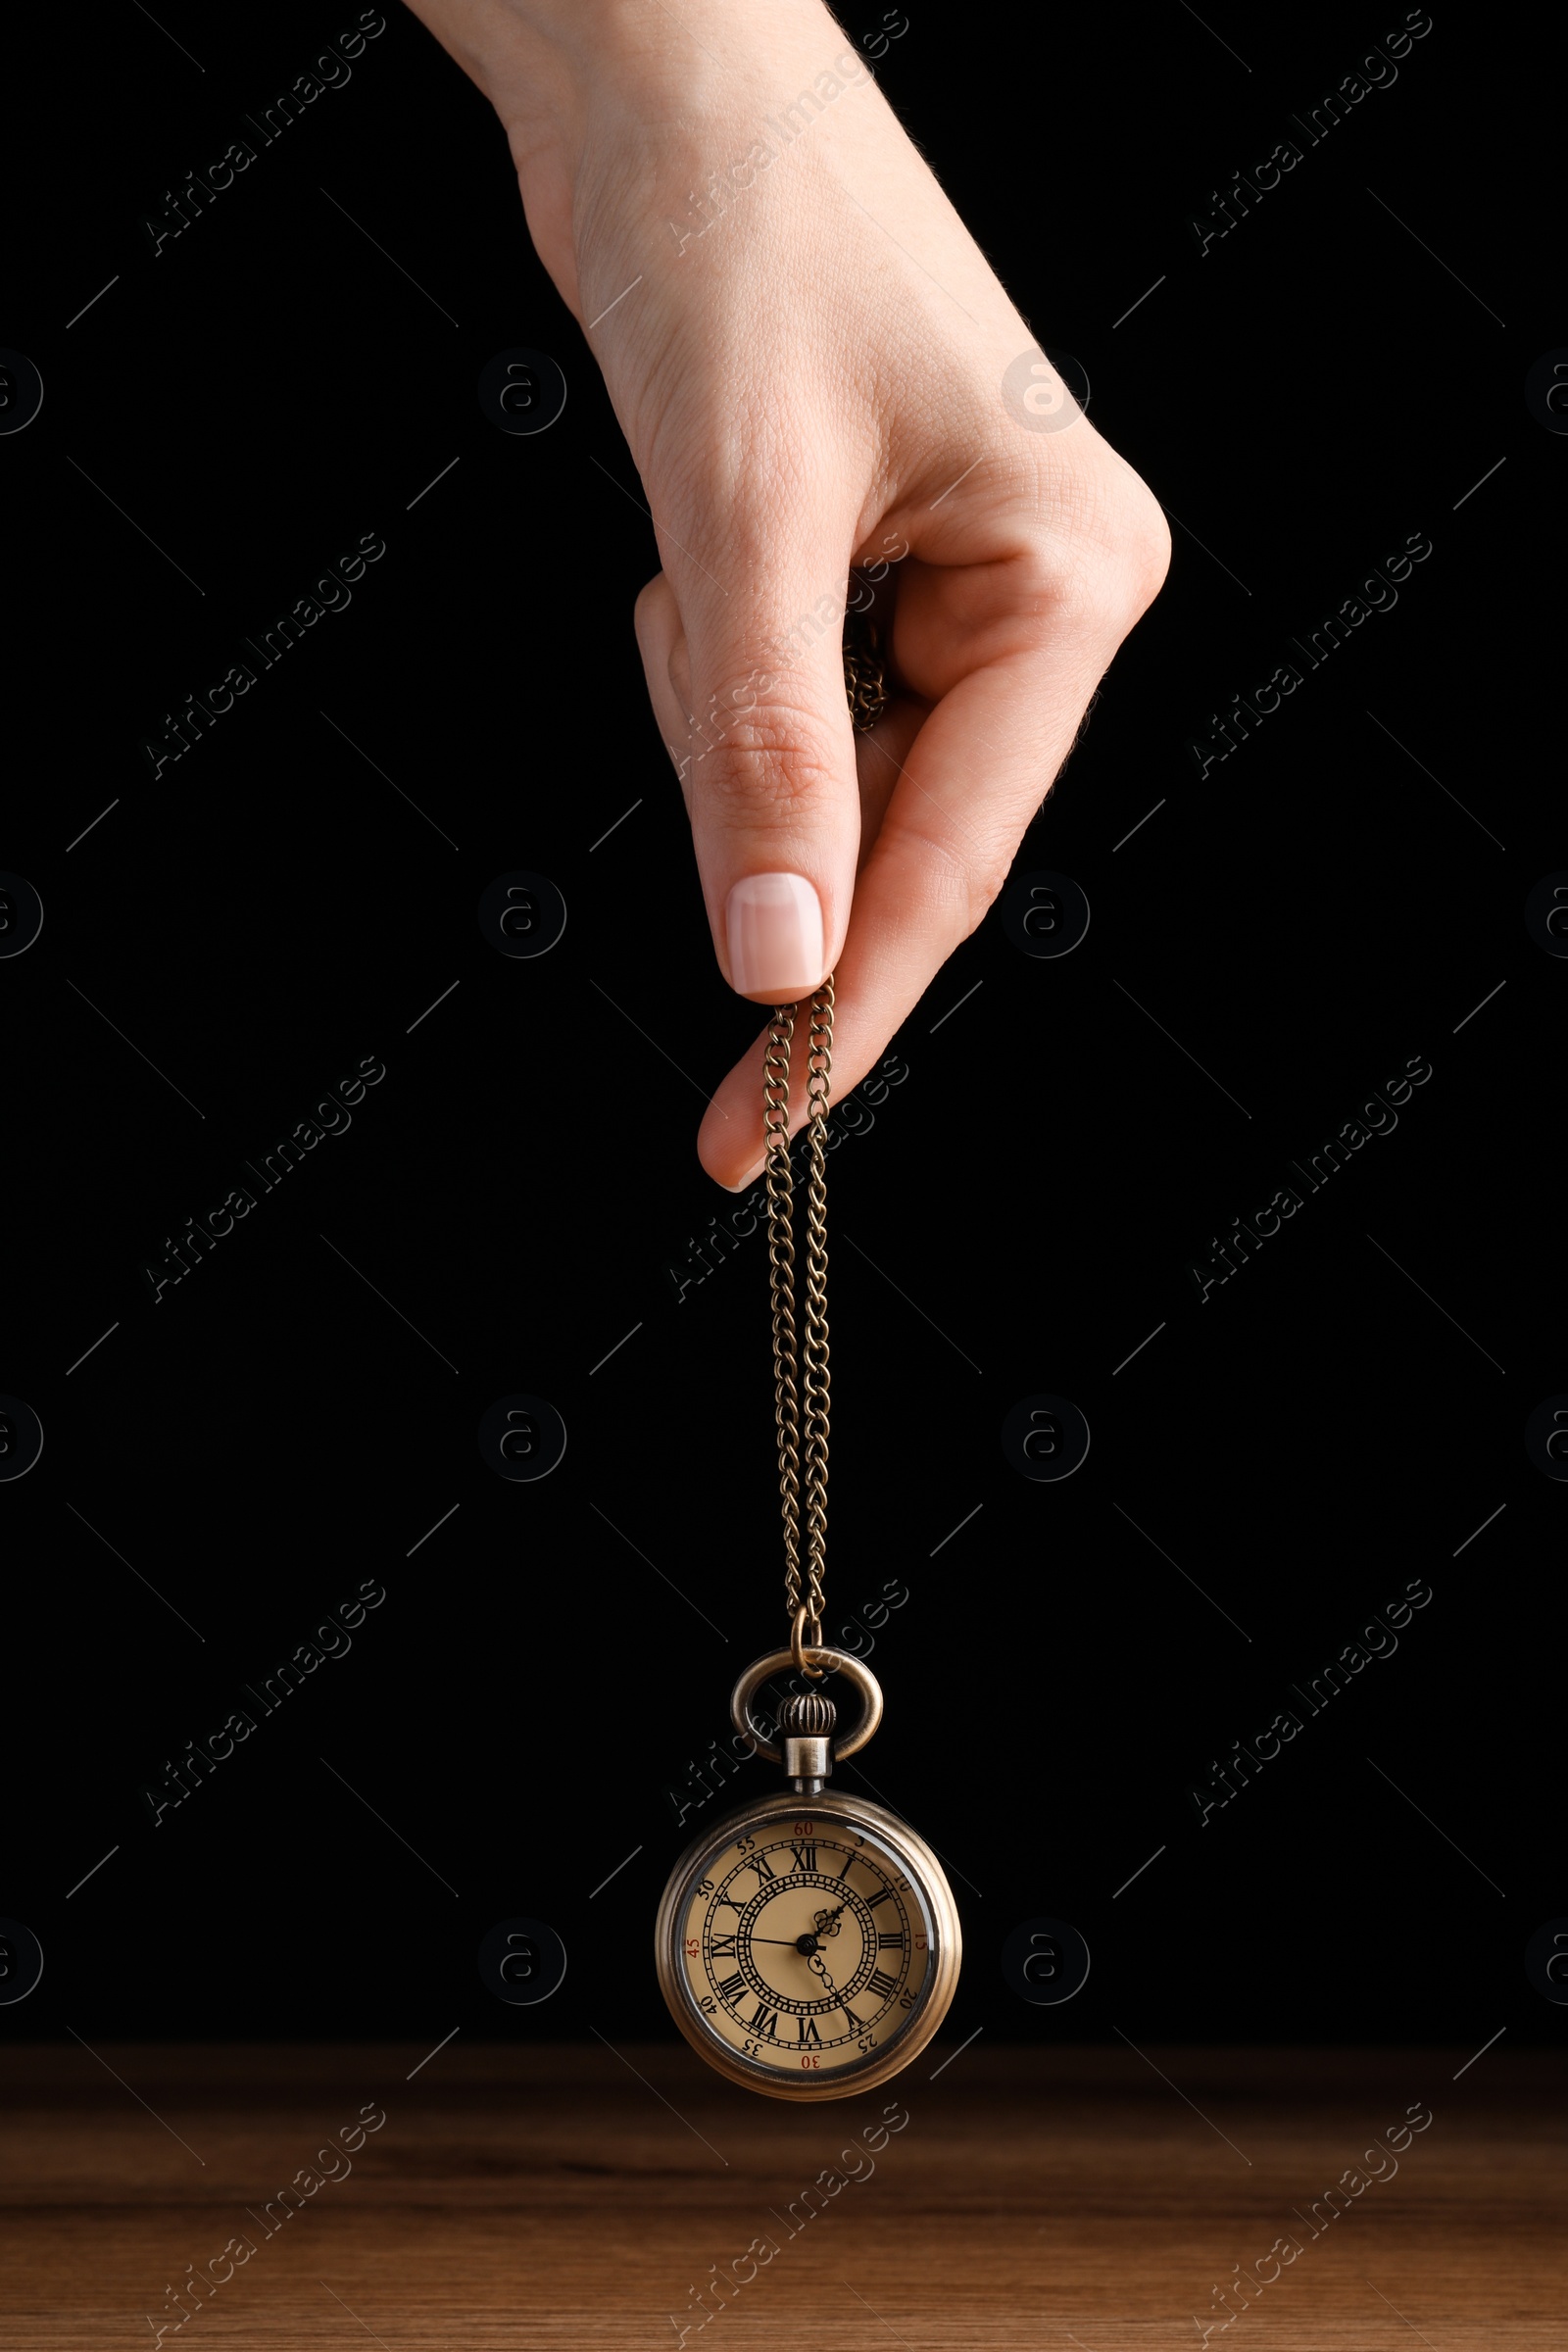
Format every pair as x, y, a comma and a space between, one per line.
815, 1380
865, 677
781, 1270
801, 1369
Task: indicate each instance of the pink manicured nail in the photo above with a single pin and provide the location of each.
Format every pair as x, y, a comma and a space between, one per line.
746, 1183
773, 923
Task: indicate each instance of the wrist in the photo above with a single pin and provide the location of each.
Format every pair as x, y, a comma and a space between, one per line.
541, 62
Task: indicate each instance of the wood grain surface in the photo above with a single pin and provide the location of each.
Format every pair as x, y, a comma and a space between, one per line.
571, 2197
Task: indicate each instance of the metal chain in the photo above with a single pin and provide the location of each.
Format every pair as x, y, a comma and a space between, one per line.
809, 1375
815, 1380
781, 1271
866, 688
865, 677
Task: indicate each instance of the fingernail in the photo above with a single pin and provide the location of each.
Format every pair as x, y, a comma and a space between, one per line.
746, 1183
773, 925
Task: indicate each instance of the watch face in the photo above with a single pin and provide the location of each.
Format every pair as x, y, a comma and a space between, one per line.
808, 1947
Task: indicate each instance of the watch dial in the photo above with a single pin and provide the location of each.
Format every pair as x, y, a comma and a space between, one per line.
805, 1945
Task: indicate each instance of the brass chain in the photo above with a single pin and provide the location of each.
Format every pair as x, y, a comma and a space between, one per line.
781, 1271
866, 675
805, 1369
801, 1375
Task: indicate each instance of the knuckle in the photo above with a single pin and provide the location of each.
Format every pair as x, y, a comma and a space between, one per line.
652, 600
766, 765
986, 876
1146, 547
1095, 545
1123, 545
950, 884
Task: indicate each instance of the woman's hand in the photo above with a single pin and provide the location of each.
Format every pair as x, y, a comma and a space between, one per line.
817, 373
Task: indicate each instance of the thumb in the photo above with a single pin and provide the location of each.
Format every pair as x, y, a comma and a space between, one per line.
748, 686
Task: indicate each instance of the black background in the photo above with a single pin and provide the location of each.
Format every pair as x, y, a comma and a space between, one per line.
1303, 397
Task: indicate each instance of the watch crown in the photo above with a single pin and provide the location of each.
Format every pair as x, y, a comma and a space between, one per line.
805, 1734
808, 1715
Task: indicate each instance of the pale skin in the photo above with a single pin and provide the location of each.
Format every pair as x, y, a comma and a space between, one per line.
808, 367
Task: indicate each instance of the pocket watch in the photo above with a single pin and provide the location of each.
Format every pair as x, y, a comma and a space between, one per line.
808, 1944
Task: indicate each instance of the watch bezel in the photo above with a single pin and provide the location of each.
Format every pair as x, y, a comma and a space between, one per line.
941, 1979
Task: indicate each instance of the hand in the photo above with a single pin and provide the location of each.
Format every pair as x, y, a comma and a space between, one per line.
808, 357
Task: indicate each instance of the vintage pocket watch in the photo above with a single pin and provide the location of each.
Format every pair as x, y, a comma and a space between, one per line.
808, 1944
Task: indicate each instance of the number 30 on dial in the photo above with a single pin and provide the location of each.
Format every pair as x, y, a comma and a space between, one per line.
809, 1946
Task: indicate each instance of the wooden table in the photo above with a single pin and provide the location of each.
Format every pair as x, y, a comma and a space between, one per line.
570, 2196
